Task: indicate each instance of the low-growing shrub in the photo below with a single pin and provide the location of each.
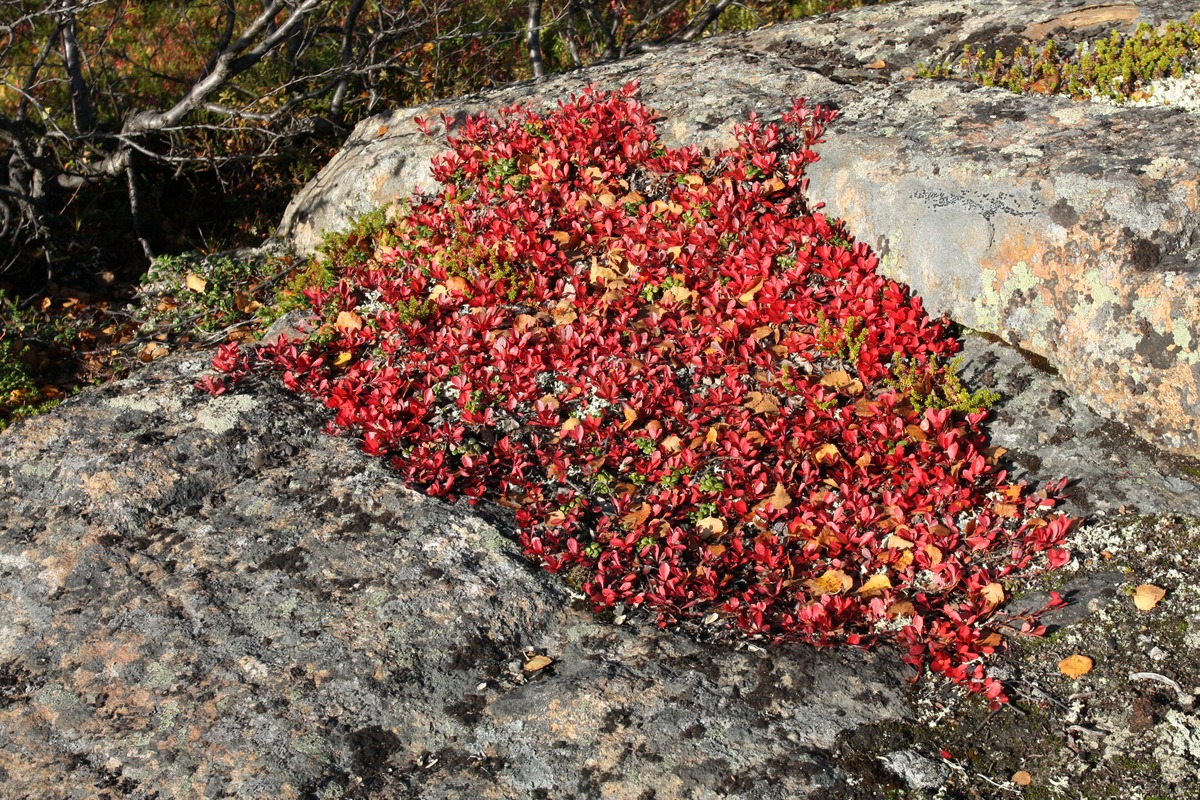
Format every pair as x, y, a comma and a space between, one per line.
697, 397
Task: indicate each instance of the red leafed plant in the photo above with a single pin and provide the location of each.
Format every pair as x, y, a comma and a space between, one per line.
699, 397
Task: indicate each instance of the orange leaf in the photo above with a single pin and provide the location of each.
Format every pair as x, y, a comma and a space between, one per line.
538, 663
833, 581
342, 359
878, 63
672, 444
992, 639
1147, 596
773, 185
348, 321
993, 593
713, 526
901, 609
636, 517
934, 554
1075, 666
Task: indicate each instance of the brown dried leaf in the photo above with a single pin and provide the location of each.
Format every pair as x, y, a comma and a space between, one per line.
1007, 510
195, 283
672, 444
713, 526
636, 517
780, 499
993, 593
762, 403
827, 453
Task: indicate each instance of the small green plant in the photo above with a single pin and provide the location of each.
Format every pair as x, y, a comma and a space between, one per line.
936, 385
1117, 66
843, 340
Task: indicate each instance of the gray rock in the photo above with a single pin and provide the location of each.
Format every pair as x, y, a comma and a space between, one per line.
209, 597
916, 770
1069, 229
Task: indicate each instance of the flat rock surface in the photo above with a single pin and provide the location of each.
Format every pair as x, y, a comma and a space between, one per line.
208, 597
1070, 229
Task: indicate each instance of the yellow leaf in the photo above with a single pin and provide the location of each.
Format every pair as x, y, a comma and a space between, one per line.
833, 581
538, 663
342, 359
630, 417
348, 321
875, 585
711, 436
1147, 596
904, 561
1075, 666
195, 282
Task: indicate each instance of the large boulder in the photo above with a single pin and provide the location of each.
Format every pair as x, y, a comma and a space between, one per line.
1070, 229
209, 597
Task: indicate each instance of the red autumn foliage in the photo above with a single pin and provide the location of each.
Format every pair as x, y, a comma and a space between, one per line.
684, 379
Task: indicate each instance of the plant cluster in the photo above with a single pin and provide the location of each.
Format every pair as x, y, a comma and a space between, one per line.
694, 400
1118, 66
